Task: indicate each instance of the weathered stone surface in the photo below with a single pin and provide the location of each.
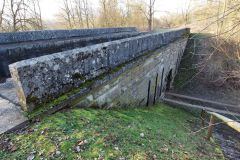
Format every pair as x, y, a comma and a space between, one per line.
44, 78
16, 37
142, 84
8, 91
10, 53
11, 114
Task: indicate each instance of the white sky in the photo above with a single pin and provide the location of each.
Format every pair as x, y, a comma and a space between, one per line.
51, 7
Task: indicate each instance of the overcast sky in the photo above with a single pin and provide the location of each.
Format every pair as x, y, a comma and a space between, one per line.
51, 7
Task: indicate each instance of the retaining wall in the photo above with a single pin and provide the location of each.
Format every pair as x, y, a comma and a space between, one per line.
44, 78
143, 84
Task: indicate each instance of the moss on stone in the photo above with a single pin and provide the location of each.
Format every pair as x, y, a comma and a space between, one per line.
78, 76
46, 106
33, 99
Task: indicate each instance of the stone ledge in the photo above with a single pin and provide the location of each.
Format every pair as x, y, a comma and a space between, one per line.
16, 37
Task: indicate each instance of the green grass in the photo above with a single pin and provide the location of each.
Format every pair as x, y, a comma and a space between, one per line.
113, 134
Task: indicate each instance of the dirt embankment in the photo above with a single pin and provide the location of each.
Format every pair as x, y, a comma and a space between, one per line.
206, 72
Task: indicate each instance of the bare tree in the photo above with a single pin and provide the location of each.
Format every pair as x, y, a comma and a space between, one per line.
187, 12
150, 14
110, 14
104, 20
1, 14
37, 21
23, 15
92, 17
79, 13
86, 12
134, 14
148, 10
68, 13
15, 14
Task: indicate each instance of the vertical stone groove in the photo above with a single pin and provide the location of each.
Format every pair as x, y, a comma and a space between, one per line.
155, 91
149, 88
160, 88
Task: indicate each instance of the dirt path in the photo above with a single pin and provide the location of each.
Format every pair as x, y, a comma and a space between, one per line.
229, 140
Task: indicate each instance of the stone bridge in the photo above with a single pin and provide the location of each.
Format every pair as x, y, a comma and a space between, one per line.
109, 67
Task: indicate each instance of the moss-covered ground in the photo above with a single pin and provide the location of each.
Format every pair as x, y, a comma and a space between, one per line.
158, 132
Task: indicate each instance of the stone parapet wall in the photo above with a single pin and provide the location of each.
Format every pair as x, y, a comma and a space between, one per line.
11, 53
143, 84
16, 37
42, 79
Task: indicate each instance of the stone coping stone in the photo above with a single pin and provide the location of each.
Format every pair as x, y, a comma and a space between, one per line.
42, 79
16, 37
10, 53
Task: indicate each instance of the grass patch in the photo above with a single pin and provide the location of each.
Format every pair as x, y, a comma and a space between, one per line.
160, 132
